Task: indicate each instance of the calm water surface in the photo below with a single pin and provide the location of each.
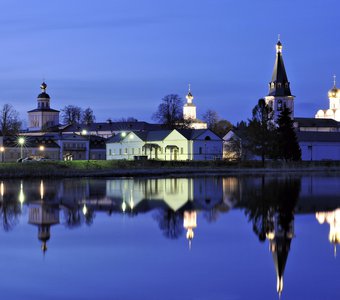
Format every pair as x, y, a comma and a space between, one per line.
184, 238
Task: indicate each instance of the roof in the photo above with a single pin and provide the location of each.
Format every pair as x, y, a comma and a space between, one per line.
44, 109
97, 142
43, 95
310, 136
31, 142
159, 135
279, 85
313, 122
192, 134
112, 126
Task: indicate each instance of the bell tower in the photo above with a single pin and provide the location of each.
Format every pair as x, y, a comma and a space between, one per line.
279, 96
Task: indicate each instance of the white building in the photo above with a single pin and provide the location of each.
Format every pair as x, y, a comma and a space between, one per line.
185, 144
333, 112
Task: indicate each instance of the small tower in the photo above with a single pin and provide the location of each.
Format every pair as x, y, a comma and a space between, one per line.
43, 117
189, 109
279, 95
189, 113
333, 112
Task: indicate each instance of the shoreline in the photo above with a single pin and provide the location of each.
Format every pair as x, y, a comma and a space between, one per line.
158, 168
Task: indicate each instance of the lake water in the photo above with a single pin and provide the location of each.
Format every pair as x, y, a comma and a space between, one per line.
243, 237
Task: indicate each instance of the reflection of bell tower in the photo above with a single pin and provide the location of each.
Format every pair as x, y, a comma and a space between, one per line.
333, 219
189, 223
44, 215
280, 240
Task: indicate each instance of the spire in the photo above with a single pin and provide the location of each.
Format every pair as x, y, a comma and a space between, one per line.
334, 81
189, 96
279, 85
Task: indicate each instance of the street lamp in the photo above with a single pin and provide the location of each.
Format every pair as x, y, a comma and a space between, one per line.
21, 142
2, 150
84, 132
41, 149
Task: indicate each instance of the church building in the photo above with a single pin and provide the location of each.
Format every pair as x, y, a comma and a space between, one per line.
334, 105
43, 117
279, 95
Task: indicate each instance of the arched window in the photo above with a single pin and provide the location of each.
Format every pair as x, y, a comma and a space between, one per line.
279, 105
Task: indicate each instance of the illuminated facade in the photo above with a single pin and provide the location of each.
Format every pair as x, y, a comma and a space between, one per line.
43, 117
186, 144
279, 95
334, 105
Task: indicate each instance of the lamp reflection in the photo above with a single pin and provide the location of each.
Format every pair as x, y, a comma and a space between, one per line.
21, 193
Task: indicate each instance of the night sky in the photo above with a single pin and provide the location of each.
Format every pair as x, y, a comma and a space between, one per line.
121, 57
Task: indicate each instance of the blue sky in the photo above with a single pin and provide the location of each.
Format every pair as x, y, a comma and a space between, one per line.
121, 57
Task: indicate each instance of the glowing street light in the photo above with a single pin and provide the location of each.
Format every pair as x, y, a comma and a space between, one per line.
2, 150
21, 142
84, 132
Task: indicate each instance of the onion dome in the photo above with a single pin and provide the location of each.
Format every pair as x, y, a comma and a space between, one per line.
43, 93
334, 92
189, 96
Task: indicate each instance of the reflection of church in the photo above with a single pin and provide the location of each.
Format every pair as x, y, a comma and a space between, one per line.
43, 215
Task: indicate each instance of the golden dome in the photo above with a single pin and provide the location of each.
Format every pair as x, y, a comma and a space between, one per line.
43, 86
334, 93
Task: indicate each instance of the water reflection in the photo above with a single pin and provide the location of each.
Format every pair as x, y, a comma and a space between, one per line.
333, 219
178, 206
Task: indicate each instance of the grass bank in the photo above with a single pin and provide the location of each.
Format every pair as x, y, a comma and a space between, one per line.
155, 168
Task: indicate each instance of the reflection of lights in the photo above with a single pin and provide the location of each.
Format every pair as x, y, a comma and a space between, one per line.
131, 201
123, 206
84, 209
189, 223
270, 235
21, 194
41, 190
333, 219
2, 189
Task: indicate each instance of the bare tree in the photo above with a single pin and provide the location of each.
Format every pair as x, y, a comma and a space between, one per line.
169, 112
71, 114
219, 126
9, 120
87, 116
210, 117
